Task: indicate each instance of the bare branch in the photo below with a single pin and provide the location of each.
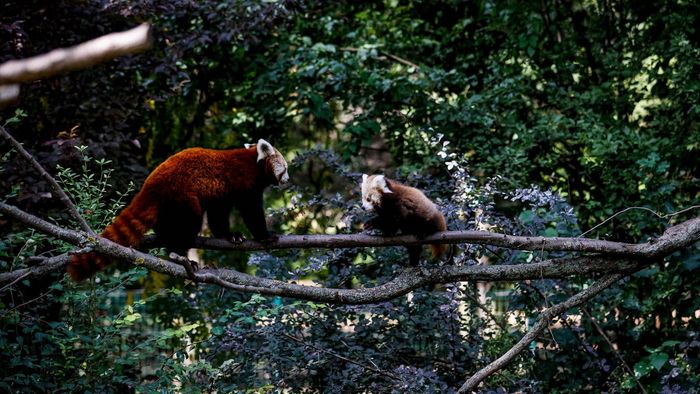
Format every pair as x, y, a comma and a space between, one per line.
675, 237
536, 330
8, 93
50, 265
384, 56
626, 366
338, 356
80, 56
52, 182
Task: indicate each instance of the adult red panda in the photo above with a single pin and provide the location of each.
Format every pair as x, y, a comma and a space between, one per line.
402, 208
180, 190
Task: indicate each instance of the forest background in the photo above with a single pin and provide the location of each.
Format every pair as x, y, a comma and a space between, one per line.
526, 118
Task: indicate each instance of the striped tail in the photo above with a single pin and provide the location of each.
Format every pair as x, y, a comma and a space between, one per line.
127, 229
439, 250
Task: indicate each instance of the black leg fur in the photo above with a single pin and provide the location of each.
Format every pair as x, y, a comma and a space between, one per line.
218, 218
177, 227
414, 253
253, 216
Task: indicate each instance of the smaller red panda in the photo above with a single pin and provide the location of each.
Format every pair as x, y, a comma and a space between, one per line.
402, 208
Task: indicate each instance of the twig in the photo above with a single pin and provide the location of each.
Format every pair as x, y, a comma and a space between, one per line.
660, 216
536, 330
52, 182
185, 262
388, 55
629, 370
29, 302
20, 277
336, 355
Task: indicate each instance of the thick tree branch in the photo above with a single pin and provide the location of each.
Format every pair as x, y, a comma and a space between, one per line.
674, 238
83, 55
52, 182
406, 281
536, 330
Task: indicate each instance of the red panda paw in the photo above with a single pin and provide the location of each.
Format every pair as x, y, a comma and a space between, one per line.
237, 238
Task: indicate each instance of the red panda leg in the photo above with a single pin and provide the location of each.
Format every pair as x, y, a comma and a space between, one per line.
253, 216
414, 253
177, 226
218, 219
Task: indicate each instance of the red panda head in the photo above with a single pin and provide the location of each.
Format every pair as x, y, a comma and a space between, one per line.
373, 187
275, 166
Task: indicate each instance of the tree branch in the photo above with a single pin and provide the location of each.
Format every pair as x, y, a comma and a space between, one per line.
536, 330
674, 238
626, 366
384, 56
52, 182
406, 281
83, 55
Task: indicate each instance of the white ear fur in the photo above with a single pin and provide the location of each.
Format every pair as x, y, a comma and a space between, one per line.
248, 146
264, 149
381, 183
364, 178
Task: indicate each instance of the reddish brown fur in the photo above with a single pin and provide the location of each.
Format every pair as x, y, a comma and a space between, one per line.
179, 191
408, 210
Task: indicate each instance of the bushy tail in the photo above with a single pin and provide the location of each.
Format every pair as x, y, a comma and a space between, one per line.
127, 229
439, 250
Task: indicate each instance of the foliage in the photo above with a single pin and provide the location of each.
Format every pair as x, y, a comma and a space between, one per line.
535, 118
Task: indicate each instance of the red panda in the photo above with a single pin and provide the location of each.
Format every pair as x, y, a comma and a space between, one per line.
402, 208
180, 190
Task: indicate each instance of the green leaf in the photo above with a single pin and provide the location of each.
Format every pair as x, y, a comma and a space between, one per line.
658, 360
526, 216
550, 232
642, 368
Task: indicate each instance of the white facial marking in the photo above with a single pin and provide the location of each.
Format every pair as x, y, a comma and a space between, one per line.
279, 168
373, 187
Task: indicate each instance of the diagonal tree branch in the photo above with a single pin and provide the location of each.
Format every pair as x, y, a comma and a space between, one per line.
52, 182
83, 55
538, 328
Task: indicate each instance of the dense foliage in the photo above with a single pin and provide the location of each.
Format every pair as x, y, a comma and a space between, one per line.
521, 117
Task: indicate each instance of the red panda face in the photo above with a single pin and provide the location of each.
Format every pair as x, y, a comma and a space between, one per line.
275, 165
373, 187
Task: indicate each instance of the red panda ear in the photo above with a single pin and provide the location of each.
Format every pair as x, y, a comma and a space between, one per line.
248, 146
264, 149
381, 183
364, 178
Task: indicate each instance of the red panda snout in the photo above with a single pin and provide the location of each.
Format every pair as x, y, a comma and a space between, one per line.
275, 165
